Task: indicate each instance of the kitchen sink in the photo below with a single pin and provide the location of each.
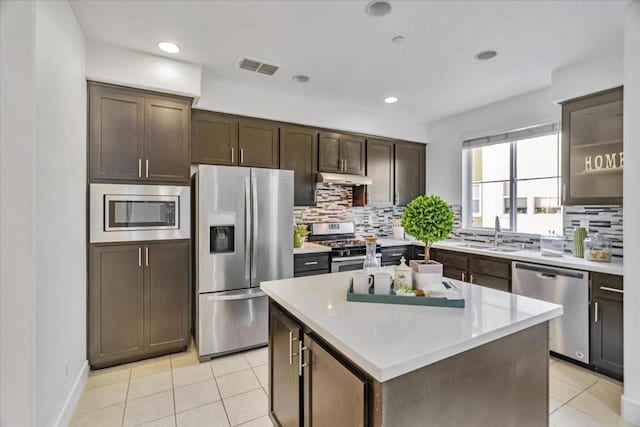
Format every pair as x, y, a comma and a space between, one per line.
488, 248
502, 249
472, 246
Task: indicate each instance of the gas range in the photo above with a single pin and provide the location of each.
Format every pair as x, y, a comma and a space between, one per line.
347, 252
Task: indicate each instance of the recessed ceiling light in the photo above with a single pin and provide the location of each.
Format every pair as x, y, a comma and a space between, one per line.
487, 54
397, 39
378, 8
300, 78
391, 100
169, 47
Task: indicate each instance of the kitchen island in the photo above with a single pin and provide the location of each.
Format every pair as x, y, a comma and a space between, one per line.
333, 362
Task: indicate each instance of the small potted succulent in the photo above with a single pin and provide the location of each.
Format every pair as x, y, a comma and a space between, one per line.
429, 219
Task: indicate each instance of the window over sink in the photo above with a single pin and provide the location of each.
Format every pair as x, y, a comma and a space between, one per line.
516, 177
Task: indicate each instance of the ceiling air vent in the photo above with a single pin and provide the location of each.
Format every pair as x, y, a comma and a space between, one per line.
257, 66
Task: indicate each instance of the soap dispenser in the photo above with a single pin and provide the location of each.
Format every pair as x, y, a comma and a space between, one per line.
403, 276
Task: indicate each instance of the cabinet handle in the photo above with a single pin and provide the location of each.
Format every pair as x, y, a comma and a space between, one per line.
300, 357
311, 263
396, 254
146, 168
564, 192
345, 164
146, 255
420, 255
397, 198
607, 288
139, 257
595, 312
231, 155
291, 353
464, 276
471, 278
242, 156
139, 168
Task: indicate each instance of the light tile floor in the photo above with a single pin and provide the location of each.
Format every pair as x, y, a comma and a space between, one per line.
177, 390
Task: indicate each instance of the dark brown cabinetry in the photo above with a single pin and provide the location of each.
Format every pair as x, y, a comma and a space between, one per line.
592, 149
299, 153
258, 144
341, 153
393, 254
477, 269
214, 138
310, 264
308, 385
607, 324
136, 135
380, 167
138, 300
409, 172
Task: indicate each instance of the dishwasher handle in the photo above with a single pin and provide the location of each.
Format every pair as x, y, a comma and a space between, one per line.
546, 276
547, 272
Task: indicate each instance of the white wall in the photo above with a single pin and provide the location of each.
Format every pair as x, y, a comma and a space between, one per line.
590, 76
444, 152
111, 64
43, 186
17, 232
297, 108
631, 397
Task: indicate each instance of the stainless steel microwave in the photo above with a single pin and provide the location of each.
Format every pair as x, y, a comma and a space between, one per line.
124, 212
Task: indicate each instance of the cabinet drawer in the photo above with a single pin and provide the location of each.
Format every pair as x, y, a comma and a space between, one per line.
310, 262
490, 282
395, 253
310, 273
490, 266
451, 259
607, 286
455, 273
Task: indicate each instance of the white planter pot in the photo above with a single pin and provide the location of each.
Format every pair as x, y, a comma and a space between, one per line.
427, 276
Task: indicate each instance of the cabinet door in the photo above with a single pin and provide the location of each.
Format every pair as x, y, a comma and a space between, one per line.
607, 330
454, 273
592, 149
409, 172
116, 133
333, 395
498, 283
259, 144
166, 142
329, 159
284, 382
214, 138
166, 301
298, 152
353, 154
115, 304
380, 170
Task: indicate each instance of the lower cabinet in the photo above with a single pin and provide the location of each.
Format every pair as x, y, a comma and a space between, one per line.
392, 255
480, 270
607, 324
311, 264
308, 385
138, 301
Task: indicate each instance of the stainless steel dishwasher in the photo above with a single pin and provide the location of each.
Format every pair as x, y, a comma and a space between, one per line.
569, 333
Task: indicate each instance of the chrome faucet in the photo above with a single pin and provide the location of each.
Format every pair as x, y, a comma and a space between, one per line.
497, 231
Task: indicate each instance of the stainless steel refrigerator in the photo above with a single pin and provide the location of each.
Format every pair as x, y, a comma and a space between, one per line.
244, 220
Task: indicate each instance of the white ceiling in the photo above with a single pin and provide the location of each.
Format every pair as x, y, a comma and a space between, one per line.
350, 56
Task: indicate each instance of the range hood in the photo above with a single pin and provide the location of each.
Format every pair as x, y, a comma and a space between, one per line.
343, 179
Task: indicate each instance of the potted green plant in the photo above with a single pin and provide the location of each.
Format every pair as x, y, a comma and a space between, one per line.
429, 219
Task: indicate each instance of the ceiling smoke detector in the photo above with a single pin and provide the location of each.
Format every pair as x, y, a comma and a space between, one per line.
487, 54
300, 78
378, 8
257, 66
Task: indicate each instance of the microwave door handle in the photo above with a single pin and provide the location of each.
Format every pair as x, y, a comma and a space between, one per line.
247, 231
254, 239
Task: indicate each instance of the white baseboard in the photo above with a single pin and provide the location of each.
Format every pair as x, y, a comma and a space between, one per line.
73, 397
630, 410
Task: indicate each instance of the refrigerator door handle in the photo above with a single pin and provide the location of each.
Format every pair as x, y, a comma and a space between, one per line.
247, 224
254, 231
236, 296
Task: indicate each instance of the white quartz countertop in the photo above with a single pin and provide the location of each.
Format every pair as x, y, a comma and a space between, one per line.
309, 248
525, 255
388, 340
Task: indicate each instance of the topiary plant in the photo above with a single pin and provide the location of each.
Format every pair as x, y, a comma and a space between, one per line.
428, 219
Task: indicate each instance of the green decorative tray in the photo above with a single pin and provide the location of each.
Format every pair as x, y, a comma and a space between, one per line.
405, 300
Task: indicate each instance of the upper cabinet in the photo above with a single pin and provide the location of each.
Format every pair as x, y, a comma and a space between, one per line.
298, 152
341, 153
592, 149
214, 138
136, 135
221, 139
409, 172
380, 155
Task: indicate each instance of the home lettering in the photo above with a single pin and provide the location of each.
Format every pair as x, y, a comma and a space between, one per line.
604, 161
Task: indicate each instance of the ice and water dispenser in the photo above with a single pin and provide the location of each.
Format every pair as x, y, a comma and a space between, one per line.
221, 238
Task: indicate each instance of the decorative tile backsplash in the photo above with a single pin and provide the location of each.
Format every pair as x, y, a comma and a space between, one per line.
335, 203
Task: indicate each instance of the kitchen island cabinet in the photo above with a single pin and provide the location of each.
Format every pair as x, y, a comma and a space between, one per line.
359, 365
